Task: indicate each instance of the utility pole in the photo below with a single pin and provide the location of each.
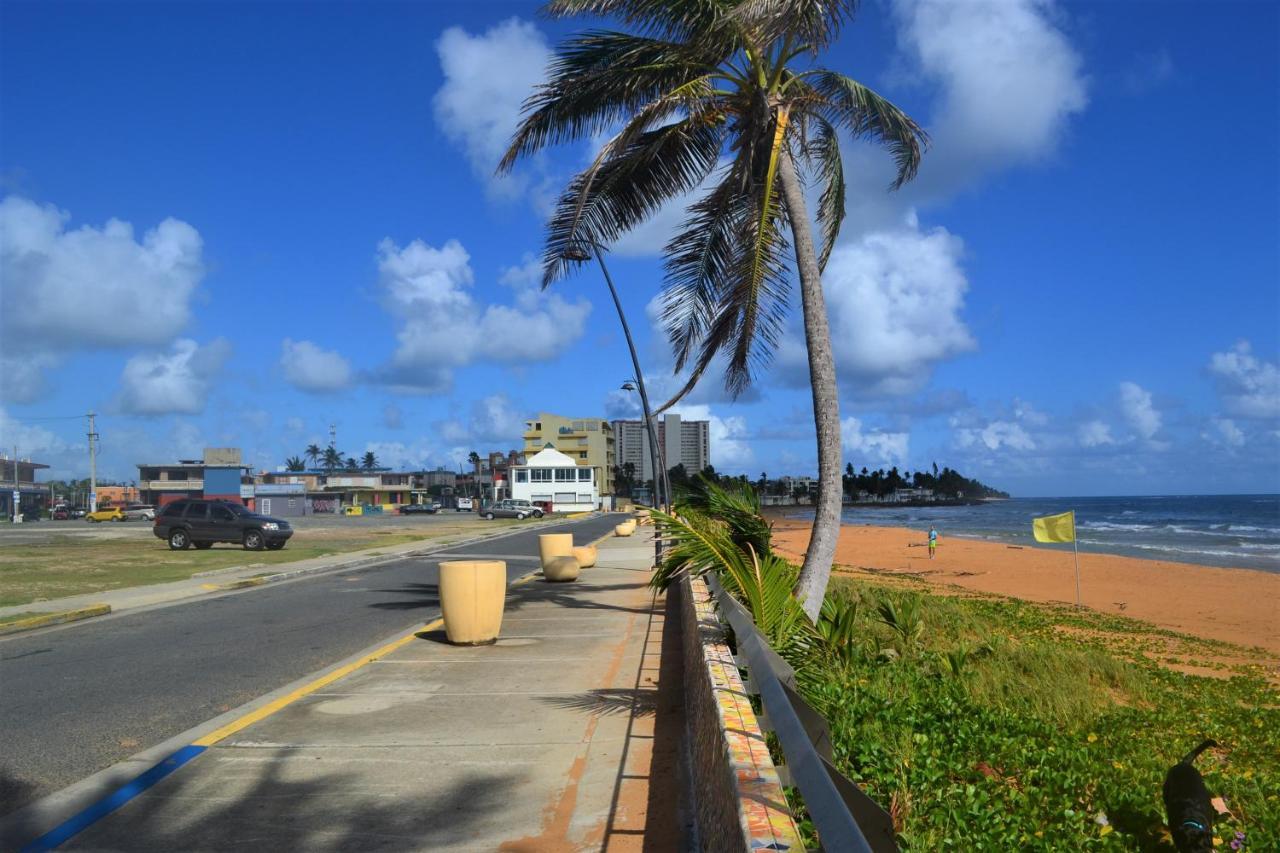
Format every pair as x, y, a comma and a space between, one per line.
333, 435
93, 466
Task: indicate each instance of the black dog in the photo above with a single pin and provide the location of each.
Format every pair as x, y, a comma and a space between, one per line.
1186, 802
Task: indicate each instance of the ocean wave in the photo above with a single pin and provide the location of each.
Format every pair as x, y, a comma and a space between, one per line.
1109, 525
1173, 549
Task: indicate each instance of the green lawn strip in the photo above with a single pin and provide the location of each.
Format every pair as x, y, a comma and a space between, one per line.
73, 566
1009, 725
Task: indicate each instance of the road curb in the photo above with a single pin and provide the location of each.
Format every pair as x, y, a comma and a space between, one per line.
46, 619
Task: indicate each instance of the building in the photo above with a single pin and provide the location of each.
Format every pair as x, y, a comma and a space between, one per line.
218, 475
118, 495
587, 441
554, 478
330, 491
440, 477
686, 443
18, 486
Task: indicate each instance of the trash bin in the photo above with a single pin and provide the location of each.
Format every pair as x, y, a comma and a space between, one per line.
472, 596
551, 545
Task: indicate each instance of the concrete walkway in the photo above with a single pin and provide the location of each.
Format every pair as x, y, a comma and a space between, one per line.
546, 741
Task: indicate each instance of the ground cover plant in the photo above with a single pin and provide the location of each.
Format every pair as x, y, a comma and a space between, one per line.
987, 723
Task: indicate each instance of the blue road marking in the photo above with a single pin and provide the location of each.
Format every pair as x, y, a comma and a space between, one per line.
113, 801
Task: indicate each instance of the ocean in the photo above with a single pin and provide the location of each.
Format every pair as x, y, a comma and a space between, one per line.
1235, 531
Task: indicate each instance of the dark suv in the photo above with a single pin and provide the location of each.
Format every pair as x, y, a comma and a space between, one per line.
201, 523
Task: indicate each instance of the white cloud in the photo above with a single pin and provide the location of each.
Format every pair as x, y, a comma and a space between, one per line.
176, 382
392, 416
873, 449
1225, 432
308, 367
1009, 80
442, 327
996, 435
894, 299
1138, 410
65, 290
730, 449
1094, 434
494, 420
1248, 386
22, 378
486, 80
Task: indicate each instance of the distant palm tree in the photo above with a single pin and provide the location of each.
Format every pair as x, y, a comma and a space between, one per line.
352, 464
474, 459
370, 461
294, 463
313, 452
699, 83
332, 458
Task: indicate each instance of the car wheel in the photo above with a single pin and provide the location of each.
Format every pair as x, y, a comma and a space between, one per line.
203, 546
488, 515
274, 546
537, 513
520, 516
91, 520
179, 540
253, 540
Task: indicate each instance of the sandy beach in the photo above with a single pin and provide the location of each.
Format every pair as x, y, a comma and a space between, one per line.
1235, 605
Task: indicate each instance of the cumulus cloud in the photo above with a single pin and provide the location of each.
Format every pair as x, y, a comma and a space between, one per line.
1008, 78
1224, 431
996, 435
309, 368
428, 291
486, 79
1094, 434
1139, 411
1248, 386
176, 382
730, 449
894, 299
873, 448
493, 420
46, 270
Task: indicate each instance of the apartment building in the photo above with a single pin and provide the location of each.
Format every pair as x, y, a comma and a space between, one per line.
587, 441
686, 443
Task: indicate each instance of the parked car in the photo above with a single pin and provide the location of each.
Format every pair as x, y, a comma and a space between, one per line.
203, 522
31, 515
534, 509
110, 513
61, 513
464, 505
510, 509
140, 512
78, 512
410, 509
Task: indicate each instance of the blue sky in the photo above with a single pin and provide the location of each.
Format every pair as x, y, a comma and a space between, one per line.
235, 224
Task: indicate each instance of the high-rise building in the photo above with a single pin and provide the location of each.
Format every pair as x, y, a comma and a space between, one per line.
587, 441
686, 443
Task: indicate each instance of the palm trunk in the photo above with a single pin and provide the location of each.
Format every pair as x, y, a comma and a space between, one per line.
816, 571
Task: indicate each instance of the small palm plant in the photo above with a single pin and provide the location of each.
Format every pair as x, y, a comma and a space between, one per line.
838, 627
294, 463
905, 618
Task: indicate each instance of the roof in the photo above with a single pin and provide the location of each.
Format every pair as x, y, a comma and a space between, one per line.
549, 458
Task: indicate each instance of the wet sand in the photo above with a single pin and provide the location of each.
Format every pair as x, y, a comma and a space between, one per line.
1239, 606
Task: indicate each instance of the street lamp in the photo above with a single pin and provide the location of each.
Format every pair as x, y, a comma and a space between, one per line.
661, 481
576, 252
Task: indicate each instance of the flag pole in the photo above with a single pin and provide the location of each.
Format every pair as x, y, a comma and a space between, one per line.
1075, 550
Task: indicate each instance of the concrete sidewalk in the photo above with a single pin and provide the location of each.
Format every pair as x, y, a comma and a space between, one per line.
546, 741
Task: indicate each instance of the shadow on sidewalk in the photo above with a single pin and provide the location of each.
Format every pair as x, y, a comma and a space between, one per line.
424, 595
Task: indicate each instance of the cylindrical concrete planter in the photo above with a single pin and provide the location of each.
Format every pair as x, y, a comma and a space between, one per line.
559, 569
586, 555
626, 528
552, 545
472, 595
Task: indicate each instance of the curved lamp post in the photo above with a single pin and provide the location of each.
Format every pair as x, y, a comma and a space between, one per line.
661, 480
578, 253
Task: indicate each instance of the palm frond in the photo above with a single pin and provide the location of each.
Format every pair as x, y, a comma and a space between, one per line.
823, 154
605, 202
598, 79
675, 19
867, 115
737, 507
811, 24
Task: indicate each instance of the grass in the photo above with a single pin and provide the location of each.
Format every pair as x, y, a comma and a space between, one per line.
17, 617
71, 565
1000, 724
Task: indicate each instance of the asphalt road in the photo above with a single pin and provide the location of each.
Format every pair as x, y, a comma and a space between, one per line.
76, 700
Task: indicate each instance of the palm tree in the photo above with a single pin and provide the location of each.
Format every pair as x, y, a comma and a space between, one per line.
702, 80
332, 458
294, 463
351, 464
474, 459
370, 461
313, 452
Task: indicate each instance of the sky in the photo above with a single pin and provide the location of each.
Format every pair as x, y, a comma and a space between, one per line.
235, 224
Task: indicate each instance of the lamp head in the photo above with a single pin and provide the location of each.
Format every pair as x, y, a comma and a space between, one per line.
627, 386
576, 252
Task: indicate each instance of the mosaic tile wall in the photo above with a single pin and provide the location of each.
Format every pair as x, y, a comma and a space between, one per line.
739, 800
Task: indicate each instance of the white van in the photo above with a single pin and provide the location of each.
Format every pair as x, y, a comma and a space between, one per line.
464, 505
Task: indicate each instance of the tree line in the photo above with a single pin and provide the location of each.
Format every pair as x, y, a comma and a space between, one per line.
331, 459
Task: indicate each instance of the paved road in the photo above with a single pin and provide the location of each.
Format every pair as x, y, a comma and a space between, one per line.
76, 700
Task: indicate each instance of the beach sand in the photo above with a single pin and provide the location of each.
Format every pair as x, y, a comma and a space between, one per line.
1239, 606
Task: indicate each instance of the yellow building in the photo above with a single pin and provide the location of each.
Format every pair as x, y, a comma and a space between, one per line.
587, 441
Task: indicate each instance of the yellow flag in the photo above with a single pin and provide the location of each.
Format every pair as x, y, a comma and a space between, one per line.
1055, 528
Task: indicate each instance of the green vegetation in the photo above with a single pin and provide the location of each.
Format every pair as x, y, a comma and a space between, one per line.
987, 723
18, 617
945, 483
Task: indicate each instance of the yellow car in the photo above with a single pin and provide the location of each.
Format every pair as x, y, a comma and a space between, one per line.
114, 513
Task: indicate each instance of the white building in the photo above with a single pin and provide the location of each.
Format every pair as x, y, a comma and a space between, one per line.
550, 476
682, 442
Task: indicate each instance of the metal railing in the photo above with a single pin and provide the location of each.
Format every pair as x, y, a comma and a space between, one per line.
847, 820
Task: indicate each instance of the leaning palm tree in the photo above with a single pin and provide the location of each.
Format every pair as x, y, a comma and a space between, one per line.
313, 452
720, 99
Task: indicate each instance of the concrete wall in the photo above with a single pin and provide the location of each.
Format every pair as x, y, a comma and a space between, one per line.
740, 805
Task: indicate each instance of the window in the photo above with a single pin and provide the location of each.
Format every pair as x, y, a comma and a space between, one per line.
197, 512
540, 475
221, 513
546, 498
522, 476
174, 510
578, 426
584, 475
538, 426
566, 498
293, 502
565, 475
593, 427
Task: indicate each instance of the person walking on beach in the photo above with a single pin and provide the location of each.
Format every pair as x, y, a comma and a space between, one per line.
933, 542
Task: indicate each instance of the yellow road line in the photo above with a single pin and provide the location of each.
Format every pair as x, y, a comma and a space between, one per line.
284, 701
